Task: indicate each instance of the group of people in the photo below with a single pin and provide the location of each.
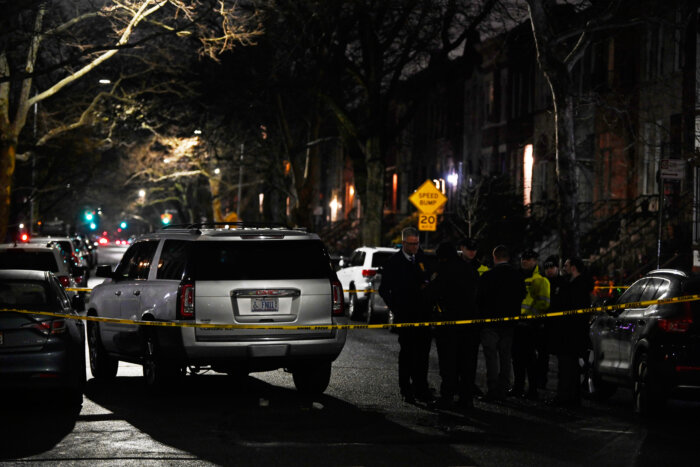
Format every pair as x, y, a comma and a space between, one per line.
459, 287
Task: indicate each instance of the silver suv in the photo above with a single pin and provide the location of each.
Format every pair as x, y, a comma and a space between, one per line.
213, 274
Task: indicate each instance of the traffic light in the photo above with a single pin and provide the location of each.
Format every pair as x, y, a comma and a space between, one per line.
89, 215
123, 225
93, 226
165, 218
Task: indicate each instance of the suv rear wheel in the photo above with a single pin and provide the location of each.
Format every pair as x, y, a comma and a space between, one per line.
648, 399
102, 366
156, 370
357, 307
312, 378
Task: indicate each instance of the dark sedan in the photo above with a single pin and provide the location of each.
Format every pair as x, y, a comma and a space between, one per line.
655, 349
39, 351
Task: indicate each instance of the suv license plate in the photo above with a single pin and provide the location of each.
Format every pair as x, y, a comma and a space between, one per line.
264, 304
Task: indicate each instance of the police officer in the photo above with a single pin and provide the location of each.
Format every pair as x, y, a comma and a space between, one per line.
500, 292
527, 332
468, 248
453, 289
404, 278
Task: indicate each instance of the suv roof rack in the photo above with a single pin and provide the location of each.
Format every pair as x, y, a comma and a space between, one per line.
230, 225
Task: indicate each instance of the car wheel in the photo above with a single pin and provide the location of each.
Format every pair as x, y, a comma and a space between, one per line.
312, 379
156, 371
102, 366
358, 308
647, 399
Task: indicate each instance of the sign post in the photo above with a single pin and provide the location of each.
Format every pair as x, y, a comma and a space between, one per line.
428, 199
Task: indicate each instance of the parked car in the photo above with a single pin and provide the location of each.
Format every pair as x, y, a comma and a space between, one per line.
207, 274
80, 268
377, 309
356, 274
42, 257
38, 351
655, 350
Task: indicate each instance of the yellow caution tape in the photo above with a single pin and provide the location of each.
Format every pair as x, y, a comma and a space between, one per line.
189, 324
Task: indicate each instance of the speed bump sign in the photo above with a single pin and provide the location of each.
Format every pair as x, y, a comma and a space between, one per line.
427, 198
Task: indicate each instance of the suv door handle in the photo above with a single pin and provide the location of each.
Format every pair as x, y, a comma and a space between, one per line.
137, 292
118, 292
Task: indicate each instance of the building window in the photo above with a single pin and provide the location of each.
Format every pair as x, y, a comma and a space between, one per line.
528, 164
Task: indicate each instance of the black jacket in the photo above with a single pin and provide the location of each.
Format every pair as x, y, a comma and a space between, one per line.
500, 292
402, 287
569, 334
453, 289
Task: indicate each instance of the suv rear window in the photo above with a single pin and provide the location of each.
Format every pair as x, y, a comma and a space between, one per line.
378, 259
253, 260
22, 259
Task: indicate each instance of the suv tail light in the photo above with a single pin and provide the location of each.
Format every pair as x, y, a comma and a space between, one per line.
54, 326
64, 280
369, 272
337, 309
680, 323
185, 298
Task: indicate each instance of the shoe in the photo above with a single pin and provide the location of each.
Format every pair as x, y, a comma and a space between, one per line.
490, 397
465, 405
513, 392
426, 398
443, 403
560, 402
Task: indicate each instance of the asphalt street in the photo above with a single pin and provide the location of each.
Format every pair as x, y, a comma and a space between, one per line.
214, 419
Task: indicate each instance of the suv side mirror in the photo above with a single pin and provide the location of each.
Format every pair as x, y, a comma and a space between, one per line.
104, 270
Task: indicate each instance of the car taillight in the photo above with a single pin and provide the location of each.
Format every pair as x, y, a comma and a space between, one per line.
337, 308
186, 299
64, 280
56, 326
369, 272
680, 323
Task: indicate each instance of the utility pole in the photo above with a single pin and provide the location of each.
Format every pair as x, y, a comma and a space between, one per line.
240, 183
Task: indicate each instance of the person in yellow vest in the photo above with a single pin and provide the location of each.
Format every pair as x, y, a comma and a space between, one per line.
527, 332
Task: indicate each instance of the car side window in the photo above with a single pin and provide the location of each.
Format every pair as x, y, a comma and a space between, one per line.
60, 293
634, 293
651, 290
137, 260
357, 259
173, 258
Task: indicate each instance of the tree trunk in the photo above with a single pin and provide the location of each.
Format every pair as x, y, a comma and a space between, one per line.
566, 171
559, 79
7, 170
373, 208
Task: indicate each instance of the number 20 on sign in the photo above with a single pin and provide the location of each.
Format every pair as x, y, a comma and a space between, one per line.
427, 222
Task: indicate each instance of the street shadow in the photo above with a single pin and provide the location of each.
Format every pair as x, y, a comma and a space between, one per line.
245, 421
33, 421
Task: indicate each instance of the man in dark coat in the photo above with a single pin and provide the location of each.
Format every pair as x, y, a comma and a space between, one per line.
500, 292
570, 333
453, 289
403, 280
